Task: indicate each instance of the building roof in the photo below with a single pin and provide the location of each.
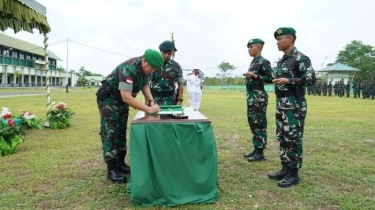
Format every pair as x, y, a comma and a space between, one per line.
19, 44
339, 67
97, 78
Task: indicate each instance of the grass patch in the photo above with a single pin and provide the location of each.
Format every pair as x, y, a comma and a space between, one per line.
63, 169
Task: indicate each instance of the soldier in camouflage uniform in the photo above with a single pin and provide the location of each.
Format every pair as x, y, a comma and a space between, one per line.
324, 86
335, 88
356, 90
117, 93
347, 89
259, 72
329, 88
293, 73
164, 79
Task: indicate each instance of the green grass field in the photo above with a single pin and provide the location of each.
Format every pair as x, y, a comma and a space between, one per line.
63, 169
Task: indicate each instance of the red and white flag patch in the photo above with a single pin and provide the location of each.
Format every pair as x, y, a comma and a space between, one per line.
129, 80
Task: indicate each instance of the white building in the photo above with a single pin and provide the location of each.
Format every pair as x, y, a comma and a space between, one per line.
339, 72
22, 65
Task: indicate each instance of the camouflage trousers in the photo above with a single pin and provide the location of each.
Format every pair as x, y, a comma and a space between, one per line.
257, 119
113, 123
289, 132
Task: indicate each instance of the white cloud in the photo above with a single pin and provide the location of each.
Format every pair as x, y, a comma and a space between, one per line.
206, 32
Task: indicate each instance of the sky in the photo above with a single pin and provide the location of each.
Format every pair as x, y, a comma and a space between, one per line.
102, 34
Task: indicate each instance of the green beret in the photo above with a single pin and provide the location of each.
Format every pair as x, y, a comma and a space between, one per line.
255, 41
153, 58
167, 46
284, 31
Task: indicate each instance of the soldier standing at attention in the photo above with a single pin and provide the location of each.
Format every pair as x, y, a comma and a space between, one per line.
347, 89
117, 93
293, 73
329, 88
259, 72
164, 79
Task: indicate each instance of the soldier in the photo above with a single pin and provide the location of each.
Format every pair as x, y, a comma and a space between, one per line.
364, 90
329, 88
359, 89
259, 72
341, 88
194, 81
293, 72
117, 93
319, 89
347, 89
164, 79
335, 87
324, 87
355, 89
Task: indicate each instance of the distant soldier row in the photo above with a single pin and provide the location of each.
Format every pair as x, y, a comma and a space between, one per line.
341, 89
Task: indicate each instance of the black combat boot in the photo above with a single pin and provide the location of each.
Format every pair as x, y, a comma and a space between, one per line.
121, 165
258, 156
290, 179
280, 174
113, 173
250, 154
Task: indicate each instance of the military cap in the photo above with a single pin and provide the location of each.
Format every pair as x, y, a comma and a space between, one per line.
255, 41
153, 58
167, 46
284, 31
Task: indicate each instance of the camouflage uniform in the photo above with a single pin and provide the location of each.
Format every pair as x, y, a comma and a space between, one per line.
257, 100
114, 112
329, 89
347, 89
324, 86
163, 83
291, 106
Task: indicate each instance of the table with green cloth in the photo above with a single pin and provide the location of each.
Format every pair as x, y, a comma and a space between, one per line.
173, 161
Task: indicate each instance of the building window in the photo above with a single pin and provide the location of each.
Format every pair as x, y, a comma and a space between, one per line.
6, 52
28, 57
14, 54
22, 56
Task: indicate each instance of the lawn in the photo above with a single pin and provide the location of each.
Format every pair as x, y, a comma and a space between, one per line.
63, 169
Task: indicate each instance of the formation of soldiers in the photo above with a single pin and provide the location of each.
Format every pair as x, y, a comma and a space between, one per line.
366, 89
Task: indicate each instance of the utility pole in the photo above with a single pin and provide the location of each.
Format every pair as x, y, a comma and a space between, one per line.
67, 64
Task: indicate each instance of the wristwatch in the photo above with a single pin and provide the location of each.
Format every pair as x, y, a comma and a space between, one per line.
180, 100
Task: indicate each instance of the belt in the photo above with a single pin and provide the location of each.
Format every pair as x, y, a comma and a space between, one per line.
280, 94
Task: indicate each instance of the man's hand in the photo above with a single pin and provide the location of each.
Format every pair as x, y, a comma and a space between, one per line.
281, 81
154, 109
178, 103
250, 74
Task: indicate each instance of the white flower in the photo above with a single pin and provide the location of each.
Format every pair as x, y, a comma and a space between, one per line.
5, 111
28, 116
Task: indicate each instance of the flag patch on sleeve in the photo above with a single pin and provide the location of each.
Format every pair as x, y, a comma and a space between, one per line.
129, 80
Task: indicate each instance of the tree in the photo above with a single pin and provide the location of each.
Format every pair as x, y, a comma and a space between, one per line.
361, 56
82, 81
60, 69
224, 67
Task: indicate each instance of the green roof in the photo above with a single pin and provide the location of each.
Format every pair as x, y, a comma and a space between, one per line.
338, 67
18, 44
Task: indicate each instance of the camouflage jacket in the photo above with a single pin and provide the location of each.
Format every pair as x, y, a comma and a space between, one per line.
255, 86
128, 76
163, 80
296, 67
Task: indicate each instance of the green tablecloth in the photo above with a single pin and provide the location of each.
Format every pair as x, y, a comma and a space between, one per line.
173, 163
